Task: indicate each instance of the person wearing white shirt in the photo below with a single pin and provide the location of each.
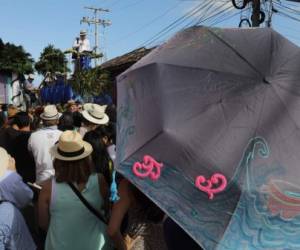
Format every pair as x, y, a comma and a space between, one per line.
82, 54
42, 140
82, 44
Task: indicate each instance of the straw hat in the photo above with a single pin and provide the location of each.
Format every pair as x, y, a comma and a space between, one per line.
71, 147
95, 113
83, 32
4, 162
50, 113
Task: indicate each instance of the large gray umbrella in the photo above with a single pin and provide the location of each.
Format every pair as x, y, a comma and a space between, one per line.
218, 101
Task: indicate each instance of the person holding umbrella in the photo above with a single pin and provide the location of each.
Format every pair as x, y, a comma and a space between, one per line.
144, 221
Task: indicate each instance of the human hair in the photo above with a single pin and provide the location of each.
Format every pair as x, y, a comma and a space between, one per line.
49, 123
66, 122
73, 171
77, 118
109, 131
87, 123
100, 156
22, 120
112, 113
2, 119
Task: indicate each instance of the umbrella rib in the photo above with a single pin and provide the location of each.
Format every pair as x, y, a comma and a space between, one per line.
285, 62
207, 69
238, 54
287, 110
145, 143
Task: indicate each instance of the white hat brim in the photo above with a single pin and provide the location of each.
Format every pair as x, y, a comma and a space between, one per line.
56, 117
88, 149
4, 161
91, 119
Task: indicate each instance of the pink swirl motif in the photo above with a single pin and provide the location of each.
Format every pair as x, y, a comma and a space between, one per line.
208, 188
148, 168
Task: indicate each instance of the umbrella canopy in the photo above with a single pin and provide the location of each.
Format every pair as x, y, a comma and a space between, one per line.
220, 110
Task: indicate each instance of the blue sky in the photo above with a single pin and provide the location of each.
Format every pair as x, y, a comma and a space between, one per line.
37, 23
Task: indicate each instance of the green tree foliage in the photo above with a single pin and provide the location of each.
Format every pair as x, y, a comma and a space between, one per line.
91, 82
14, 59
51, 60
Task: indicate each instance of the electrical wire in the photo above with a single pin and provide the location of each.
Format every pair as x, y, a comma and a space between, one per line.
293, 11
224, 16
218, 10
225, 19
129, 5
194, 12
174, 24
218, 15
113, 3
146, 24
282, 13
207, 11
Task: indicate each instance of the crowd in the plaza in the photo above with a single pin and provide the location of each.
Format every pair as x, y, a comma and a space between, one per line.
59, 189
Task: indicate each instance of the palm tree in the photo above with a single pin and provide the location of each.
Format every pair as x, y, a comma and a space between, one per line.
91, 82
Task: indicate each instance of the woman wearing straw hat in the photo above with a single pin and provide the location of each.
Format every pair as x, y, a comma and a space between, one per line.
72, 224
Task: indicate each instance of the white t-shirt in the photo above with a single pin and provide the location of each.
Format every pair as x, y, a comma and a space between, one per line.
82, 45
39, 144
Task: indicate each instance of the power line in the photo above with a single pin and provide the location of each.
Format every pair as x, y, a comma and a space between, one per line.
113, 3
294, 11
288, 3
216, 14
212, 14
288, 16
174, 24
206, 12
129, 5
195, 11
225, 18
147, 24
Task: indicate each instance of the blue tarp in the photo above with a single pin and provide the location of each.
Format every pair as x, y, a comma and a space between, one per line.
59, 92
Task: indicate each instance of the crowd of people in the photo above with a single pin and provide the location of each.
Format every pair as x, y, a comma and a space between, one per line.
58, 185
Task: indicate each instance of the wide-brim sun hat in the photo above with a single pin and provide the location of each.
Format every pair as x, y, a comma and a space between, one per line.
83, 32
71, 147
4, 161
50, 113
95, 113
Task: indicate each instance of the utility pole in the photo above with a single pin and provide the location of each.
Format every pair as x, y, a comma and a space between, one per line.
96, 21
256, 18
